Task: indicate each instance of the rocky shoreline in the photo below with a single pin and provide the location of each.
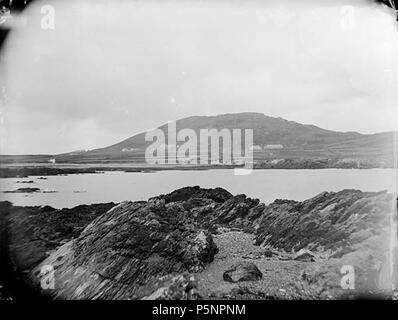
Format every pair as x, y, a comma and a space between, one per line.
200, 243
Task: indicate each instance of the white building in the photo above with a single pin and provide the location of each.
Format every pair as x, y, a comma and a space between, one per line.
255, 147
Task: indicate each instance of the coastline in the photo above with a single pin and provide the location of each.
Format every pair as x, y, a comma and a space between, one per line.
243, 229
40, 169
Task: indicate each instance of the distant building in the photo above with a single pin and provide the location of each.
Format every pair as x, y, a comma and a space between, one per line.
255, 147
52, 161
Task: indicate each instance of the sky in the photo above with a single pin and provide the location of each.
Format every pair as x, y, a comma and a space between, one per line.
110, 69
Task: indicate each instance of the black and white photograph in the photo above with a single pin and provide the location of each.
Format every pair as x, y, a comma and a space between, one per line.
205, 150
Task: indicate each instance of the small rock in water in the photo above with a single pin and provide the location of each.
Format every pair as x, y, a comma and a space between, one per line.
23, 190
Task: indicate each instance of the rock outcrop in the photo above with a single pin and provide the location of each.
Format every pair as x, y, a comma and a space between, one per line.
134, 250
348, 228
126, 252
27, 234
33, 231
218, 195
333, 221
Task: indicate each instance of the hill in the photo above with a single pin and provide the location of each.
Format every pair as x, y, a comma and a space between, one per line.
275, 138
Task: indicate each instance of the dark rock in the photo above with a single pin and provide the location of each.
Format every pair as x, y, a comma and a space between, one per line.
242, 271
201, 251
237, 207
198, 203
269, 253
23, 190
47, 209
331, 220
23, 172
256, 212
33, 231
218, 195
128, 248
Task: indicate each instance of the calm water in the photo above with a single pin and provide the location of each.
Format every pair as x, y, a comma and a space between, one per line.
267, 185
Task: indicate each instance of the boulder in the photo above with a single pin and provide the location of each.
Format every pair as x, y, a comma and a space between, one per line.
242, 271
